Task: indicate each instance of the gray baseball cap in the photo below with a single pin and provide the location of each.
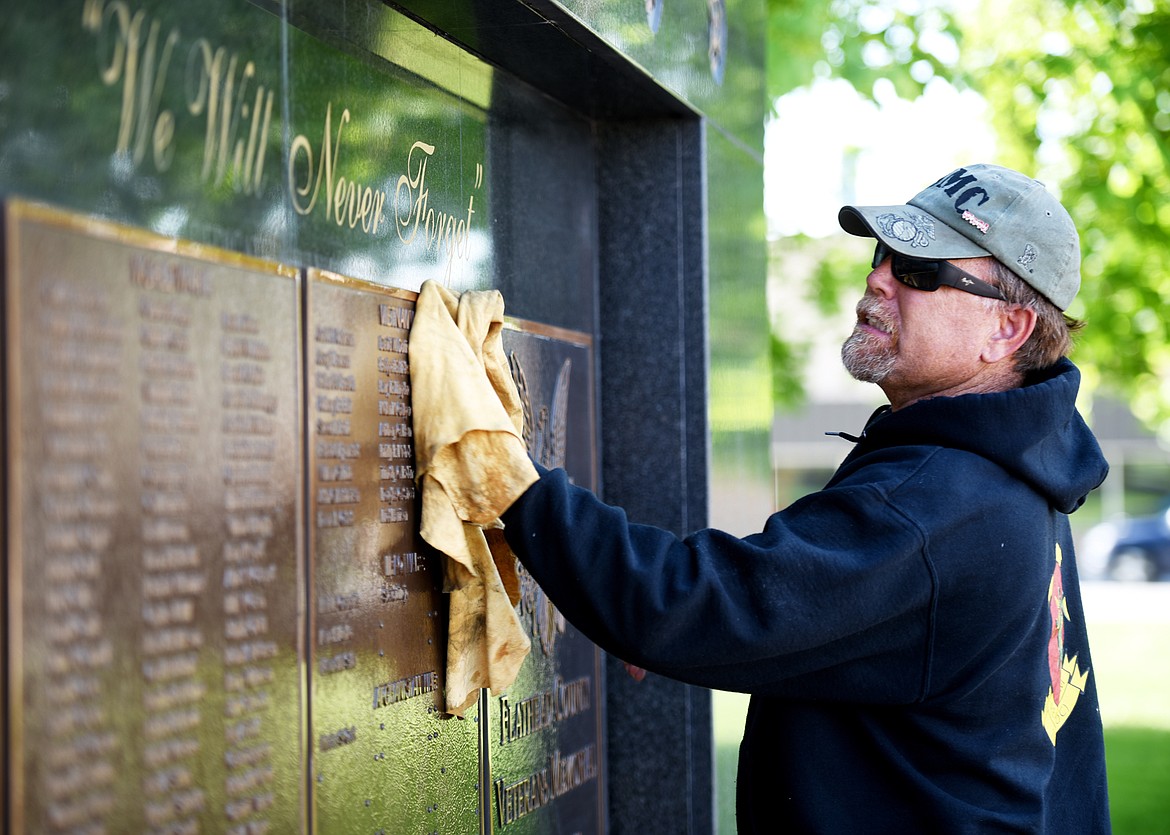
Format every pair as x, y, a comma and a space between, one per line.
982, 210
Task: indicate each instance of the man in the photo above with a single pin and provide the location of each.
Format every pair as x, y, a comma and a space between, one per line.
912, 634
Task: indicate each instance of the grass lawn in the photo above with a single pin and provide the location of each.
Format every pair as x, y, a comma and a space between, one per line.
728, 710
1130, 638
1133, 685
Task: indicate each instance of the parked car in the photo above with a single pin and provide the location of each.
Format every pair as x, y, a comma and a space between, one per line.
1130, 548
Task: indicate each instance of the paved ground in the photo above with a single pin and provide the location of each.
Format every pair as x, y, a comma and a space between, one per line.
1129, 630
1127, 602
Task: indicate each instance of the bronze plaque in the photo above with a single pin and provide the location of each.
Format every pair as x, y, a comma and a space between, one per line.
384, 758
161, 677
153, 567
545, 737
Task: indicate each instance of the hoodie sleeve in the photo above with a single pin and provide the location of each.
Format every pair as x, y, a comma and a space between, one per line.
830, 601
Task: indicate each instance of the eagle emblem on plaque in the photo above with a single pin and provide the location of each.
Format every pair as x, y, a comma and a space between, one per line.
545, 436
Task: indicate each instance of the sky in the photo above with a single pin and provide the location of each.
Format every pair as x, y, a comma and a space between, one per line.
827, 146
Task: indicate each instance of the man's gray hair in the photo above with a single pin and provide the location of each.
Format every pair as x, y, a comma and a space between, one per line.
1053, 335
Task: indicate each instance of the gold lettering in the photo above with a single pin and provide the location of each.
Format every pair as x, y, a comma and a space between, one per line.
564, 700
442, 232
221, 95
540, 788
135, 62
345, 736
416, 192
346, 202
405, 688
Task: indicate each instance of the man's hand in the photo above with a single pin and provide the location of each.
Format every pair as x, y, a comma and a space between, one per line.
636, 673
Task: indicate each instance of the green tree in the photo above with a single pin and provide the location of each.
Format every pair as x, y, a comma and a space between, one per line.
861, 41
1080, 94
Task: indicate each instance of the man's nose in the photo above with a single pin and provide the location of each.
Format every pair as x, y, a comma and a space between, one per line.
881, 281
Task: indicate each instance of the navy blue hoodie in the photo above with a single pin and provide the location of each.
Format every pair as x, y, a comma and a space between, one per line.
912, 635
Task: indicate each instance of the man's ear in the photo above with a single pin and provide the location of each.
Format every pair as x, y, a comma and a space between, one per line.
1015, 324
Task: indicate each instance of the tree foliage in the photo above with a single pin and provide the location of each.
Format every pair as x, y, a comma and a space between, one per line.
1081, 95
904, 44
1079, 91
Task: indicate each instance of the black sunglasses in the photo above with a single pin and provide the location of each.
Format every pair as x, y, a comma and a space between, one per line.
929, 275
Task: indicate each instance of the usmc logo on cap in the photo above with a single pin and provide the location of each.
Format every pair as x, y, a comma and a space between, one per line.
914, 229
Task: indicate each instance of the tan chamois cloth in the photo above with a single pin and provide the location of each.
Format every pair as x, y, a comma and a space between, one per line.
471, 465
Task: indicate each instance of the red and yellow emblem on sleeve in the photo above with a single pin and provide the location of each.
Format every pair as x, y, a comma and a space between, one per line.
1068, 681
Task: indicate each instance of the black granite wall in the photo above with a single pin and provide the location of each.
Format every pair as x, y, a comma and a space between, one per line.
654, 440
580, 134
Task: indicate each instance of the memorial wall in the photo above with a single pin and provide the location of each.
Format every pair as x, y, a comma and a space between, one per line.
219, 615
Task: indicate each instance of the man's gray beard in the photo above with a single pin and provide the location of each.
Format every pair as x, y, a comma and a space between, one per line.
868, 363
